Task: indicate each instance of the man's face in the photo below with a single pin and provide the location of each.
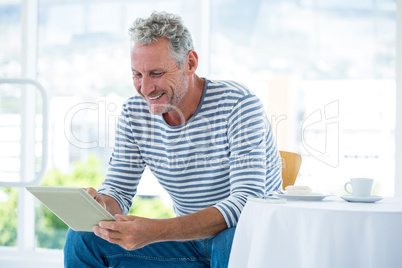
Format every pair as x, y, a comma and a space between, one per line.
157, 78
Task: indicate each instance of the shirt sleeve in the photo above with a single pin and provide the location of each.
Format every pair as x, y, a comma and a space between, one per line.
255, 163
125, 166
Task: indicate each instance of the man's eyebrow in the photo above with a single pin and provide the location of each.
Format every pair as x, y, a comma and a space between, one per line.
156, 70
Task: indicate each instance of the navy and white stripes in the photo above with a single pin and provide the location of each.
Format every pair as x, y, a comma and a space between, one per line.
222, 154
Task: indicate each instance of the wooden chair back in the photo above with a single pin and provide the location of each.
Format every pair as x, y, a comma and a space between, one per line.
291, 163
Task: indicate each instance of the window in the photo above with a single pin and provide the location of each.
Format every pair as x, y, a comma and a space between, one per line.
84, 65
326, 73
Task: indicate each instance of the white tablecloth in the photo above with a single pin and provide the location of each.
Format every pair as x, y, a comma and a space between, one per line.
328, 233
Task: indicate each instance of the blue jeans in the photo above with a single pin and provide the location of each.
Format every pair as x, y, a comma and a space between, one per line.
84, 249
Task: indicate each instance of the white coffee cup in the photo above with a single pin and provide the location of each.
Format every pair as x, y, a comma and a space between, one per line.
361, 187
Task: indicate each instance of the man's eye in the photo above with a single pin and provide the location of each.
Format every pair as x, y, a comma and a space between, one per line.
158, 74
137, 75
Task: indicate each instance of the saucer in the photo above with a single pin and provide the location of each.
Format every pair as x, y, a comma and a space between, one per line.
366, 199
309, 197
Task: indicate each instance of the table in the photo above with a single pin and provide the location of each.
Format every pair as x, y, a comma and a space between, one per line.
320, 234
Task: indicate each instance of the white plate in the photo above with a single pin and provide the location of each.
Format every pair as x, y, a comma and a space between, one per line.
310, 197
368, 199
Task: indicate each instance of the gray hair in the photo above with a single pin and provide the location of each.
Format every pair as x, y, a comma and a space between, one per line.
144, 31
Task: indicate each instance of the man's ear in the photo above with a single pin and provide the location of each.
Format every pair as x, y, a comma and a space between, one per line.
191, 62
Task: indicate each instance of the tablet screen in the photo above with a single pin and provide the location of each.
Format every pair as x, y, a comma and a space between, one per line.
73, 205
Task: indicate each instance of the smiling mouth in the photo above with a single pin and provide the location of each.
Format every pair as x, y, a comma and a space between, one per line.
155, 97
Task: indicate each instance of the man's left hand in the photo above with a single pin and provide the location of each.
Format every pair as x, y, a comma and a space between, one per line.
130, 232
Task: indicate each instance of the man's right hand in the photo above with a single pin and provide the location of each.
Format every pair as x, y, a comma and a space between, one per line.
105, 201
92, 192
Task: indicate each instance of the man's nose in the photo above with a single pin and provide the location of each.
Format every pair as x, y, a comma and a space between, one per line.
147, 85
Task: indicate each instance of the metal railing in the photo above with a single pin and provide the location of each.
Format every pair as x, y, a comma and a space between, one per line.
45, 126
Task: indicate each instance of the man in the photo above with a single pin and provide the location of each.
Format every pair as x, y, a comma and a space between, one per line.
208, 143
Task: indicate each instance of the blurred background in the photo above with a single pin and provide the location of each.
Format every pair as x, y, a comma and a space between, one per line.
324, 70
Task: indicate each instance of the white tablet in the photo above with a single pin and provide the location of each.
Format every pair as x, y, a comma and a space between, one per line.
73, 205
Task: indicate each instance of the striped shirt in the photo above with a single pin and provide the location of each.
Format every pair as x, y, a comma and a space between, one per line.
224, 153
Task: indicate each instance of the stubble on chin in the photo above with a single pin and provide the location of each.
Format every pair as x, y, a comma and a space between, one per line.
176, 96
